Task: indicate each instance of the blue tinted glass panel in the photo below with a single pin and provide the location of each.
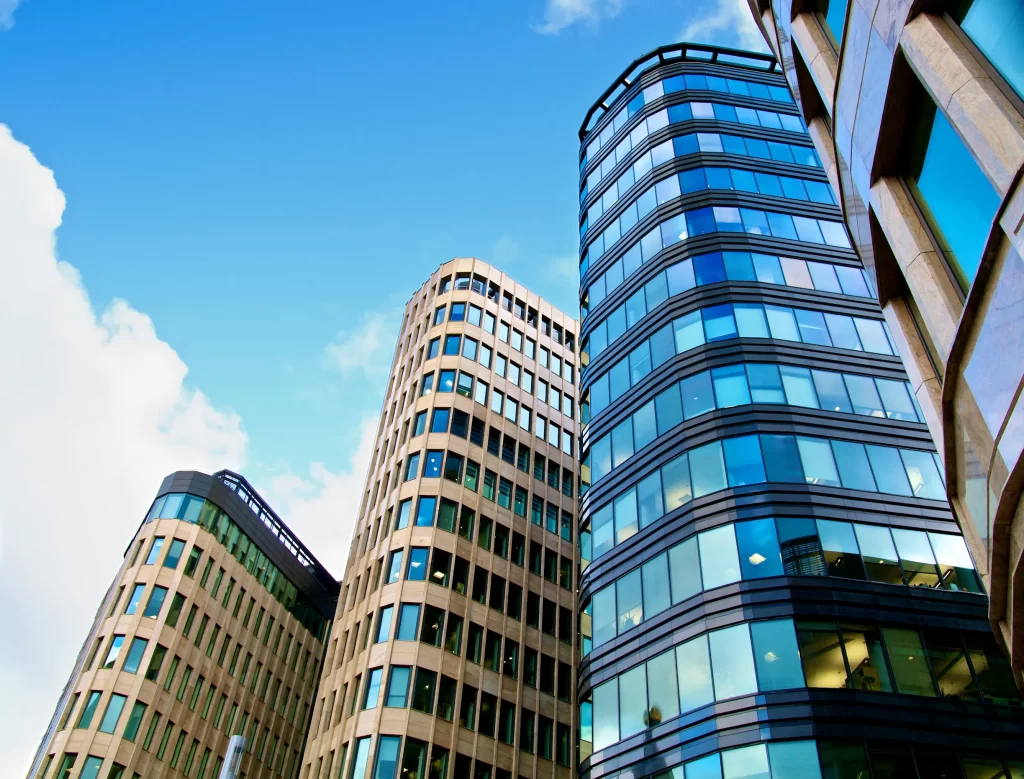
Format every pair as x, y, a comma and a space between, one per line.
768, 269
831, 391
700, 222
758, 549
812, 327
719, 323
743, 461
750, 320
765, 383
997, 28
709, 268
955, 195
692, 181
425, 512
816, 457
707, 469
776, 655
854, 469
730, 386
782, 458
888, 470
738, 266
698, 395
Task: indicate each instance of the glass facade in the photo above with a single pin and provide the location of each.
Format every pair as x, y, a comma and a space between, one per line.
763, 529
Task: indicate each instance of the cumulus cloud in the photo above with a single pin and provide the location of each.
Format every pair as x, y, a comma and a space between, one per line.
724, 23
7, 13
559, 14
367, 348
322, 507
94, 412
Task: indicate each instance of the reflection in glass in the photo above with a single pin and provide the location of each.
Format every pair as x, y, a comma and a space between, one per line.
776, 655
694, 674
746, 763
661, 685
794, 760
632, 702
879, 554
864, 653
606, 714
952, 191
732, 662
800, 547
917, 558
758, 549
386, 762
719, 562
842, 555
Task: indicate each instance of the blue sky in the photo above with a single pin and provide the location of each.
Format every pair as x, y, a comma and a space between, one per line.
211, 215
257, 177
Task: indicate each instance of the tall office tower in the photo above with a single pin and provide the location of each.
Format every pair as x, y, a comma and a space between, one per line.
452, 652
215, 625
773, 583
917, 110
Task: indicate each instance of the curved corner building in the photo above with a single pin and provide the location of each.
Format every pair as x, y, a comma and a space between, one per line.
917, 110
452, 652
772, 582
215, 625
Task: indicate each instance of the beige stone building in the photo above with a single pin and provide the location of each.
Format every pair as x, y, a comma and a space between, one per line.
215, 625
916, 110
452, 652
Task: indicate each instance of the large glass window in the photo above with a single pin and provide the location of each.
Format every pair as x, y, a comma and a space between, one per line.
732, 662
997, 29
949, 186
834, 13
385, 765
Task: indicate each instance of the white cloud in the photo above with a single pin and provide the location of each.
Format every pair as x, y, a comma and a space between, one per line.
94, 412
724, 23
368, 348
7, 13
323, 509
559, 14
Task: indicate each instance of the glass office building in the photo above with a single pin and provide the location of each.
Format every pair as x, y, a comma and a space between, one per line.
917, 112
452, 652
772, 583
214, 626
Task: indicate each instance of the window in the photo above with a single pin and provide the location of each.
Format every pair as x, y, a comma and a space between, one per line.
408, 622
113, 713
131, 728
134, 658
394, 566
371, 692
91, 769
995, 28
423, 691
383, 624
89, 710
412, 467
113, 651
397, 695
417, 568
156, 601
154, 550
133, 600
952, 191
